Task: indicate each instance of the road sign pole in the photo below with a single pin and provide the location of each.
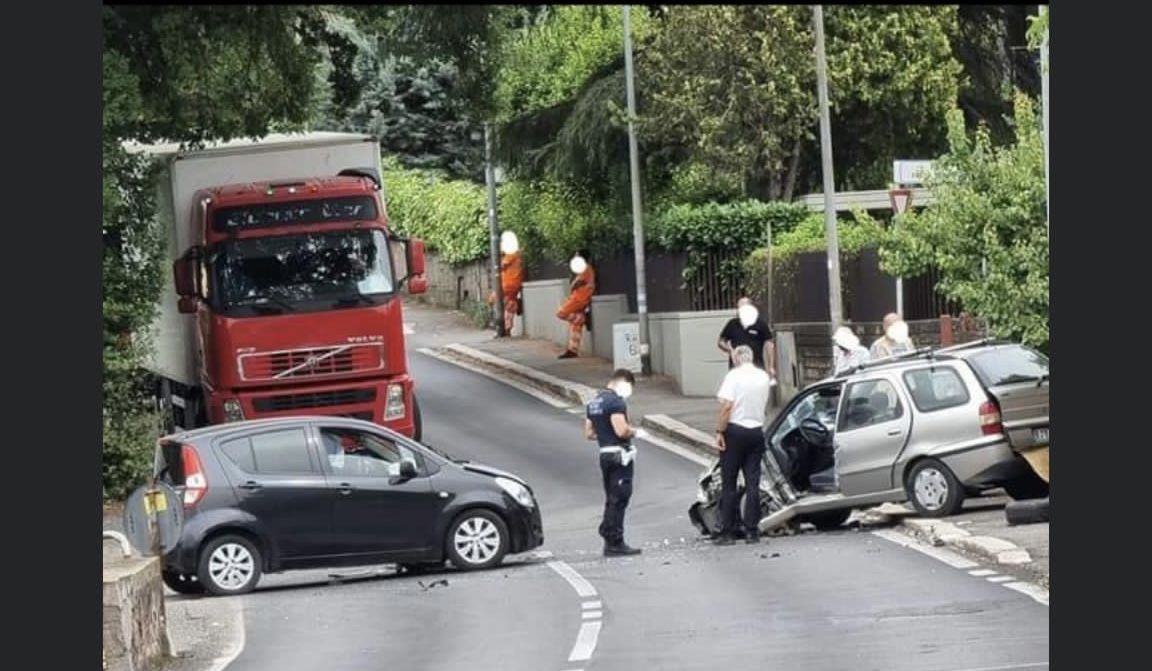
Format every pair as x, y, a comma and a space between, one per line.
637, 210
901, 199
835, 308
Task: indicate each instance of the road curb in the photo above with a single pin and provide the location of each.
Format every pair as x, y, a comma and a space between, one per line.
573, 392
679, 432
993, 549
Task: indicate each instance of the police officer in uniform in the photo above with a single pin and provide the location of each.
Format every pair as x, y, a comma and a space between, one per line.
606, 422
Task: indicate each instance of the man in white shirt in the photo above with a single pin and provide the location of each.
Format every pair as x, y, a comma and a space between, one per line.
740, 438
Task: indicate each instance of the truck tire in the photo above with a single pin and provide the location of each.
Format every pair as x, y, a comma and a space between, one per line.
1027, 486
1027, 512
934, 489
417, 420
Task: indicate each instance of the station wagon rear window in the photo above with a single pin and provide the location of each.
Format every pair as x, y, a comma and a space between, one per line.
295, 213
1009, 365
936, 389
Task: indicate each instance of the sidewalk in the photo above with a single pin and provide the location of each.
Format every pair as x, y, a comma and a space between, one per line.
981, 531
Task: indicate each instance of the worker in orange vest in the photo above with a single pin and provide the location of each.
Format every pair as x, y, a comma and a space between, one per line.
511, 278
575, 308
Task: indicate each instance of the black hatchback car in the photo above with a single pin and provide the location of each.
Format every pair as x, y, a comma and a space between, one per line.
315, 492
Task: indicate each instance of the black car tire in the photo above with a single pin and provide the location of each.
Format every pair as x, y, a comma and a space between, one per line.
476, 525
182, 583
827, 521
1027, 512
1027, 486
233, 551
932, 479
417, 421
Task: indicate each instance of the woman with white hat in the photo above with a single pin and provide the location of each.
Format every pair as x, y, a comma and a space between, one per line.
847, 352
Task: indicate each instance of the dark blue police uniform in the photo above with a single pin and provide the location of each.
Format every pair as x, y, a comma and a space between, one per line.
616, 463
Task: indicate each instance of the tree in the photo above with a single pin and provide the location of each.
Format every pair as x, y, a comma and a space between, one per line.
986, 231
187, 74
735, 87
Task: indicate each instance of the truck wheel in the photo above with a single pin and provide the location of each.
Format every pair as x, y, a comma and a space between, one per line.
417, 421
1027, 486
934, 489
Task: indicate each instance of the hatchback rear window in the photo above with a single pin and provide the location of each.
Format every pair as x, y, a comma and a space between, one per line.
1009, 365
936, 389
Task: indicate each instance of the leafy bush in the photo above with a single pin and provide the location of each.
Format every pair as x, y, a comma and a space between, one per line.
986, 231
739, 226
450, 215
554, 220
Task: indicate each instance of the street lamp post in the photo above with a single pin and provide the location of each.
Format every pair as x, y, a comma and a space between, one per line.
834, 296
637, 213
493, 232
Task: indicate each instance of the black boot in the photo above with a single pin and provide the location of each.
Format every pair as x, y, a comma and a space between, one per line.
620, 549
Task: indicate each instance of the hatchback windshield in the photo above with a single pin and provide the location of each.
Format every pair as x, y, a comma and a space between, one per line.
306, 271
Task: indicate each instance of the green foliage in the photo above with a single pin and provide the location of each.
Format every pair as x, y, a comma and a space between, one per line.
187, 74
989, 209
554, 220
1038, 28
852, 235
450, 215
737, 227
735, 87
548, 62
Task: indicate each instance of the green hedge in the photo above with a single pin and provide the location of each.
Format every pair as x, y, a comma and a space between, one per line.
555, 220
739, 227
450, 215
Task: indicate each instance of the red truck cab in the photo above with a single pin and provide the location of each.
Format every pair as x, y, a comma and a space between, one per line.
296, 290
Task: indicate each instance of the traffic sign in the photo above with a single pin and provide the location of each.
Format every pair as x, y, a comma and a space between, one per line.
910, 173
901, 199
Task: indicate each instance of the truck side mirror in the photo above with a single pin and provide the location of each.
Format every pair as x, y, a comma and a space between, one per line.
187, 305
417, 285
415, 257
187, 270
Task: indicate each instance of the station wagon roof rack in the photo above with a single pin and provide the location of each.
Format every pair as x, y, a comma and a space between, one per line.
975, 343
921, 353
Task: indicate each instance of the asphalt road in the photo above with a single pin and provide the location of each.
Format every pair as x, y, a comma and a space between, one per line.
823, 602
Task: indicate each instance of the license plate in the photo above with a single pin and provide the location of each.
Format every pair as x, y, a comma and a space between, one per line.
1040, 436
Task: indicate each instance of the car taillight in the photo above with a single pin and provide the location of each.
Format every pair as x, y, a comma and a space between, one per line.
990, 421
195, 480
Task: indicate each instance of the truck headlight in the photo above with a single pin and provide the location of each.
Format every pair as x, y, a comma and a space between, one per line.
517, 491
395, 406
233, 411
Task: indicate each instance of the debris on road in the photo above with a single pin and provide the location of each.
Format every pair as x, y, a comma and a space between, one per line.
1027, 512
435, 583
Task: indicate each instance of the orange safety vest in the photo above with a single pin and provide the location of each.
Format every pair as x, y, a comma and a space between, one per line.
511, 274
582, 289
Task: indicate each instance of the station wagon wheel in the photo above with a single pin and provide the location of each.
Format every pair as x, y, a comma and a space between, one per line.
478, 539
230, 565
933, 489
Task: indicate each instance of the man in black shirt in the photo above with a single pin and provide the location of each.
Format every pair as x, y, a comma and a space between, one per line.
606, 422
748, 328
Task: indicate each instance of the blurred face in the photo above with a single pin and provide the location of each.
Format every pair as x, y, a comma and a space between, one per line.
622, 387
509, 244
748, 315
578, 265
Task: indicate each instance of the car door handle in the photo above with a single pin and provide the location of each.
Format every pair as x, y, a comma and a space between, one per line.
895, 432
252, 486
345, 488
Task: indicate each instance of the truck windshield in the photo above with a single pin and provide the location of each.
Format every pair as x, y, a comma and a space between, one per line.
301, 272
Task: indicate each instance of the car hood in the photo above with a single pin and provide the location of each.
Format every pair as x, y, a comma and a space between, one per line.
483, 469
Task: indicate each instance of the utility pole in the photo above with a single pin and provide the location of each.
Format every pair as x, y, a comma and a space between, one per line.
637, 212
493, 231
834, 296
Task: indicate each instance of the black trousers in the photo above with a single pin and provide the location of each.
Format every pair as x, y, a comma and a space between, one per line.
617, 494
744, 451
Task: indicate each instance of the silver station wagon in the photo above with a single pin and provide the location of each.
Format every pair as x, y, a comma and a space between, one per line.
930, 427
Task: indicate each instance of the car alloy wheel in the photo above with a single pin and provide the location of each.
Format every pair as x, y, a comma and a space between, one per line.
230, 565
479, 539
933, 489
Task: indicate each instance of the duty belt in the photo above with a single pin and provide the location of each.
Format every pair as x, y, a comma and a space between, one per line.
627, 454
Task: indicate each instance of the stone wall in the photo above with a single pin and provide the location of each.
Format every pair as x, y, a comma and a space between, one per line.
454, 286
134, 625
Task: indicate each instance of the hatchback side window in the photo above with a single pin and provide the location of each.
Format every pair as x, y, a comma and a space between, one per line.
352, 452
271, 453
936, 389
868, 403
